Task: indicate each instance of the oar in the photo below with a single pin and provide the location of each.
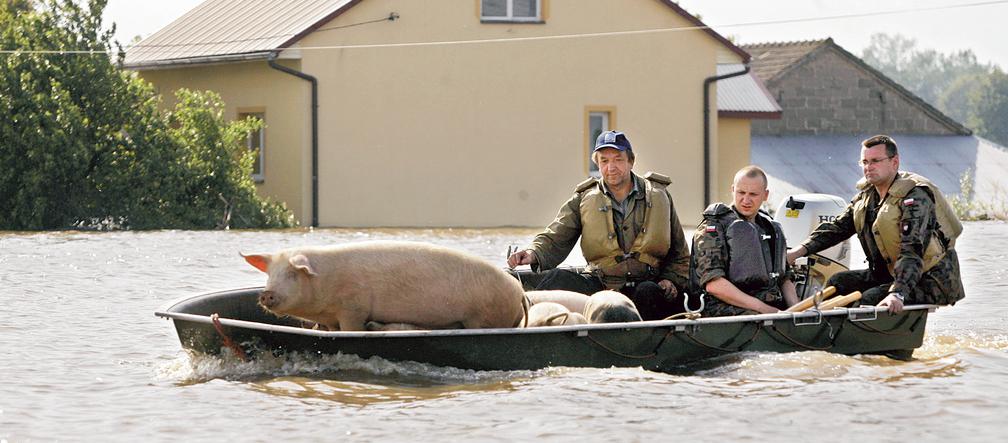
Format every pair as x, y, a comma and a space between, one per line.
809, 302
837, 302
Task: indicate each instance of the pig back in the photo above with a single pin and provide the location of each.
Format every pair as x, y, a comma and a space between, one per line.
422, 284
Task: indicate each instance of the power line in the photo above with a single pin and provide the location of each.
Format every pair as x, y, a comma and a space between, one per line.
534, 38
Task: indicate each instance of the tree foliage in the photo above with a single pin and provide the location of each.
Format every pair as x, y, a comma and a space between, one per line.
973, 93
85, 144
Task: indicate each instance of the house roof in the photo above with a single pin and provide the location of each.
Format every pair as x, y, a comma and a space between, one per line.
773, 61
232, 30
828, 163
744, 96
769, 59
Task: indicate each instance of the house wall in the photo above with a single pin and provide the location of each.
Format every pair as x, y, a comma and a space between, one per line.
493, 134
829, 94
733, 144
255, 87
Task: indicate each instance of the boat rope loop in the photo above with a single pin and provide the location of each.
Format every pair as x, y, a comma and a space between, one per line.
526, 304
739, 348
833, 337
635, 357
911, 330
238, 351
686, 315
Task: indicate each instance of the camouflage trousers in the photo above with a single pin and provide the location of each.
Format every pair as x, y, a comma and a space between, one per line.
941, 285
714, 307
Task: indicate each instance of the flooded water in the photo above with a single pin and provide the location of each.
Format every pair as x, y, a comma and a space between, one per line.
82, 358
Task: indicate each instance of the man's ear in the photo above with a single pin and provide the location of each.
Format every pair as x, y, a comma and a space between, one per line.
259, 261
301, 263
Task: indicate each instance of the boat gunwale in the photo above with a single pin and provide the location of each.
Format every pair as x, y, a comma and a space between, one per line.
168, 313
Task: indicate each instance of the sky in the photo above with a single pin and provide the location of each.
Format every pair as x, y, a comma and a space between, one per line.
976, 25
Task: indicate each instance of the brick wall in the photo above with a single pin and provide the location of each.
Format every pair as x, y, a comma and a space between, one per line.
829, 94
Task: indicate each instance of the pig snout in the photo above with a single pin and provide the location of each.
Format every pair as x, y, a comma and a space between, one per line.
268, 299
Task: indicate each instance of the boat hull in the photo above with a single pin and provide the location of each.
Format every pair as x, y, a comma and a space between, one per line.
665, 345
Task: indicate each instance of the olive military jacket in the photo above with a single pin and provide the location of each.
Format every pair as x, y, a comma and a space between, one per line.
553, 245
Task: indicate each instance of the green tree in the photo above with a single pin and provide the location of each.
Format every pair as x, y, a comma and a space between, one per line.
84, 143
989, 104
957, 84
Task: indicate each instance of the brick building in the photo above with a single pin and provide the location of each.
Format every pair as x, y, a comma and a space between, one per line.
831, 100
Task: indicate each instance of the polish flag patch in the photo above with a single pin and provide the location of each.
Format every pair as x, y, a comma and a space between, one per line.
908, 202
711, 229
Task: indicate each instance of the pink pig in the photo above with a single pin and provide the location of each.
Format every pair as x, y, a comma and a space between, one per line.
432, 287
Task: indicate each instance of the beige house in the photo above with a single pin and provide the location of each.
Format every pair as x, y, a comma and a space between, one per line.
474, 113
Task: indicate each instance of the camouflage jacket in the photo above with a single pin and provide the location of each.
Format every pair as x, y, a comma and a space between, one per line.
918, 222
710, 260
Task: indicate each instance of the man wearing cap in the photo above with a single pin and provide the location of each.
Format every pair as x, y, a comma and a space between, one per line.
630, 235
907, 229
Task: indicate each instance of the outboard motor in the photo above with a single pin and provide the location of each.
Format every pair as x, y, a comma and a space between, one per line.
799, 215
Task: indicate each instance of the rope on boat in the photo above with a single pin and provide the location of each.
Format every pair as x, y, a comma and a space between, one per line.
870, 328
526, 304
635, 357
740, 347
238, 351
686, 315
832, 343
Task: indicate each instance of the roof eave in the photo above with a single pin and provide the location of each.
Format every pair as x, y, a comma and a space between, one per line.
191, 61
761, 115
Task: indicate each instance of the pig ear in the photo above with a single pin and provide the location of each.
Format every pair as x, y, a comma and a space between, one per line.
301, 263
259, 261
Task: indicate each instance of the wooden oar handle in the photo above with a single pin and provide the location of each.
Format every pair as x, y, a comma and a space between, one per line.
810, 301
837, 302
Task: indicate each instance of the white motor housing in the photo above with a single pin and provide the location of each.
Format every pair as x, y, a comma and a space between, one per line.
800, 214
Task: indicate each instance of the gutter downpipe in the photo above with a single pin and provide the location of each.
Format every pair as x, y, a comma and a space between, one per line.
706, 128
314, 131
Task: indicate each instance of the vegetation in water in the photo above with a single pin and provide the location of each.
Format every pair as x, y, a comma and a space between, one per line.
968, 208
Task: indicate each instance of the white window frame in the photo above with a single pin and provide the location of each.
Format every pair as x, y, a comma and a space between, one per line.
510, 14
593, 170
260, 175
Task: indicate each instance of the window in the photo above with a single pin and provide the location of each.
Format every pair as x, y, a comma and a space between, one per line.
511, 10
599, 120
256, 141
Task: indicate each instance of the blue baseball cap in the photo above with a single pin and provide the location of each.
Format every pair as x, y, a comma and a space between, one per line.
612, 139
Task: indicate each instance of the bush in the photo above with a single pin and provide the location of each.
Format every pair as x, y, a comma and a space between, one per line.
85, 145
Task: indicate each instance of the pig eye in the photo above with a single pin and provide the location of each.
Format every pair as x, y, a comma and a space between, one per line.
291, 272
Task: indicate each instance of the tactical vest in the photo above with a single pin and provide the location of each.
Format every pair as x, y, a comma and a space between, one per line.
599, 244
886, 229
746, 267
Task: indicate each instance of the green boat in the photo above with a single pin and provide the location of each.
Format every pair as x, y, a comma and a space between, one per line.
209, 323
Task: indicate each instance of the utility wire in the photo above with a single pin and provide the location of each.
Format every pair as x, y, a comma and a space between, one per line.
394, 16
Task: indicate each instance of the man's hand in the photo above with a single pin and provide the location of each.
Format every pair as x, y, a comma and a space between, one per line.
670, 289
523, 257
893, 303
793, 254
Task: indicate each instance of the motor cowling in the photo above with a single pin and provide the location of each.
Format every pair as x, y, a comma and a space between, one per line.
799, 215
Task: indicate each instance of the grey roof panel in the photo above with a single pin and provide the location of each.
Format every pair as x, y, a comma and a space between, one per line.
828, 164
744, 93
217, 28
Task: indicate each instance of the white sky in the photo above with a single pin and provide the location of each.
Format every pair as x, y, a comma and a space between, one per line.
979, 27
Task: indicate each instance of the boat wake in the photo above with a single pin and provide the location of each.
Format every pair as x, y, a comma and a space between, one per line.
193, 368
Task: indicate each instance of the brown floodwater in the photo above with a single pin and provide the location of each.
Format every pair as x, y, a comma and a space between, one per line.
82, 358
